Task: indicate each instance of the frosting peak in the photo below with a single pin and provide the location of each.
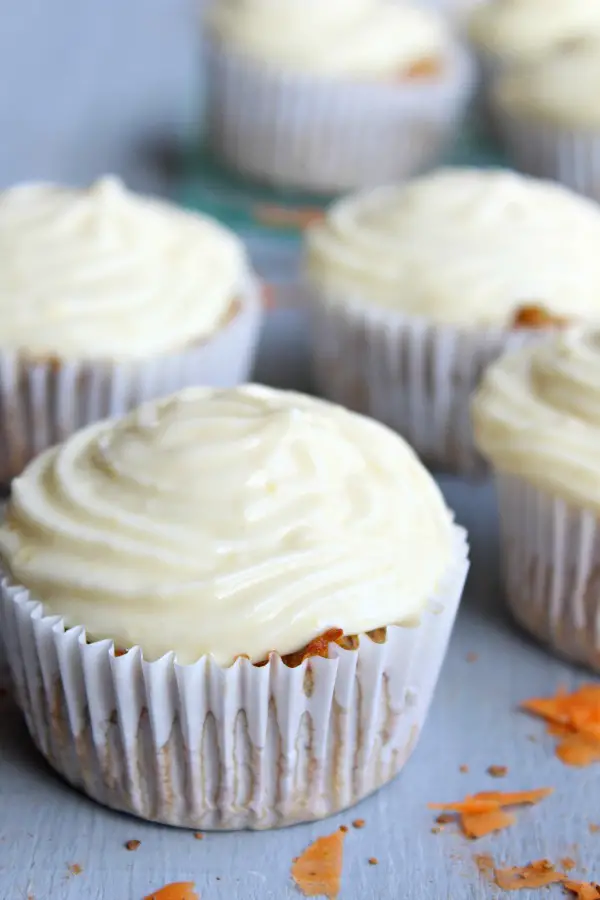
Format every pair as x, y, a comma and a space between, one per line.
463, 246
103, 273
537, 414
361, 38
229, 522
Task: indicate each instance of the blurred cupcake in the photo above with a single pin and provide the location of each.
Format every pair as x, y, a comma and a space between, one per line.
416, 288
516, 32
108, 299
283, 576
548, 115
508, 33
329, 96
537, 419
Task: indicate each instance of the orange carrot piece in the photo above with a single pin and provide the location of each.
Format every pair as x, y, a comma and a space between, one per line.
318, 871
180, 890
482, 824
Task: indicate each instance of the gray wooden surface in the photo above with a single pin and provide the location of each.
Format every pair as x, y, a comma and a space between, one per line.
87, 87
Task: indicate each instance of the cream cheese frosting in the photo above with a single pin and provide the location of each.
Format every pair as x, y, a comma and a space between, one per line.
462, 246
229, 522
103, 273
561, 89
537, 415
525, 30
357, 38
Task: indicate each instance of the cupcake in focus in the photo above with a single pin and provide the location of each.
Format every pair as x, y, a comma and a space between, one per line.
332, 96
109, 299
537, 420
415, 289
548, 115
228, 609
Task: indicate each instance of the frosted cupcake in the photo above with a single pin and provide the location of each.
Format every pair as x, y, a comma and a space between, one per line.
332, 96
416, 288
246, 597
537, 420
108, 299
509, 33
517, 32
548, 115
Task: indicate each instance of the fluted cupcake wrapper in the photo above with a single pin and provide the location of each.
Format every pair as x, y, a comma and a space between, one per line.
569, 156
207, 747
551, 568
42, 402
412, 374
329, 135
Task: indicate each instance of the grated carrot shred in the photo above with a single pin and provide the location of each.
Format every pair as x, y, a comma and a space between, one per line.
318, 871
575, 719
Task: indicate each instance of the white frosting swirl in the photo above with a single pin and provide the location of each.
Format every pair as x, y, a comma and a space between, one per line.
463, 246
559, 89
358, 38
537, 415
103, 273
229, 522
525, 30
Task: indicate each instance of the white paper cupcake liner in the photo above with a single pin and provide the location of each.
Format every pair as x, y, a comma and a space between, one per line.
41, 403
569, 156
327, 135
206, 747
551, 569
412, 374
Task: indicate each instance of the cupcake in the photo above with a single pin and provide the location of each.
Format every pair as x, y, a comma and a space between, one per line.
110, 299
537, 420
548, 115
508, 33
229, 608
516, 32
416, 288
331, 96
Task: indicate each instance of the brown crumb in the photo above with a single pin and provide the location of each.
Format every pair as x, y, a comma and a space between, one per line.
567, 863
75, 869
497, 771
593, 829
472, 657
133, 845
484, 863
358, 823
464, 769
445, 818
198, 835
344, 829
373, 861
436, 829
